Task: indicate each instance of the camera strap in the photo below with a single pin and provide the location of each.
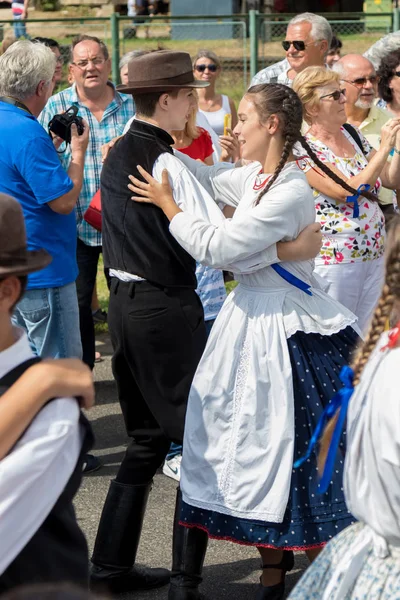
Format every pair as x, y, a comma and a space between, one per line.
15, 102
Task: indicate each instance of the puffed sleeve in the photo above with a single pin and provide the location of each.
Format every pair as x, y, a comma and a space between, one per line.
197, 204
223, 181
248, 234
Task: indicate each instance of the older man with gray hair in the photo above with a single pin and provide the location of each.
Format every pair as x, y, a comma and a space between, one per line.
360, 82
307, 42
31, 172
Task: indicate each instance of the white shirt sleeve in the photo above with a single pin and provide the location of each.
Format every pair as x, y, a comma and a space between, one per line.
197, 204
223, 181
248, 235
188, 192
34, 474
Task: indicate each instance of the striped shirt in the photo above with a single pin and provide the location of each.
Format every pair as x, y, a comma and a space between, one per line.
211, 290
17, 8
117, 113
276, 73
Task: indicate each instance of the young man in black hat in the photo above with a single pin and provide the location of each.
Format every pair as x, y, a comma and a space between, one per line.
40, 538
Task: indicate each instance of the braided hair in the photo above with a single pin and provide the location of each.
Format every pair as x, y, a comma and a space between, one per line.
277, 99
389, 296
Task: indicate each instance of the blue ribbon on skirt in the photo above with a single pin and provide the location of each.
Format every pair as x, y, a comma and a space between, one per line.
340, 401
364, 187
292, 279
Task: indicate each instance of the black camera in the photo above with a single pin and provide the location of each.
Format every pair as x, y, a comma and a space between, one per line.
61, 124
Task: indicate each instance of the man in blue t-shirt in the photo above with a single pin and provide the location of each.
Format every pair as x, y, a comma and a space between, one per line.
31, 172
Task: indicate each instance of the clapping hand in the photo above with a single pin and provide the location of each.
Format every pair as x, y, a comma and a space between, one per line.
390, 135
230, 147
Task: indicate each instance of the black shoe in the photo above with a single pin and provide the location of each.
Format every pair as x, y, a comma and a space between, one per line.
182, 593
90, 464
99, 316
272, 592
188, 552
117, 541
136, 579
276, 592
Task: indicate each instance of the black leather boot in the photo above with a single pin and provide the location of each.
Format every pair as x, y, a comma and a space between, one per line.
276, 592
189, 548
117, 542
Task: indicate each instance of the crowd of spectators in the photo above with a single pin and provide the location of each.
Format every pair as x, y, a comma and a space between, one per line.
351, 111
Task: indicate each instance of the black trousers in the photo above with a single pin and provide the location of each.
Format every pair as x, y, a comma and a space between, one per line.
87, 258
158, 335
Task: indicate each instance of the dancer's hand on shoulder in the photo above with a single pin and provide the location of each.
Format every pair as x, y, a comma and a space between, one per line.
154, 192
151, 191
105, 149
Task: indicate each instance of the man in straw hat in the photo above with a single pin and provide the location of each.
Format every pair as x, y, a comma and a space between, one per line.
40, 538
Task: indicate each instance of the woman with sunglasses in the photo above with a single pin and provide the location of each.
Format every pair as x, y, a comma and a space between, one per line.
351, 258
207, 67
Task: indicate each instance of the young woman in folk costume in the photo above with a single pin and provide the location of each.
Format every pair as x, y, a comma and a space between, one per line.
364, 560
271, 363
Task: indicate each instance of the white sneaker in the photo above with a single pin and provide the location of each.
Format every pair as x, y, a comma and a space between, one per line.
172, 467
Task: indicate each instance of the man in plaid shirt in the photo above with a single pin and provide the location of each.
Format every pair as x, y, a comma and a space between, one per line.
308, 38
106, 111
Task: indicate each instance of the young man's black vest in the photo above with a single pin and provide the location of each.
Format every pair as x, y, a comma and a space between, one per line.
136, 237
57, 551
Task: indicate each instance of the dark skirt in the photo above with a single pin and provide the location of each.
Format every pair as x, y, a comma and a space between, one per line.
311, 519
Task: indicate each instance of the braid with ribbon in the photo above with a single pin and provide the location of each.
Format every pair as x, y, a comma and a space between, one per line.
333, 175
390, 294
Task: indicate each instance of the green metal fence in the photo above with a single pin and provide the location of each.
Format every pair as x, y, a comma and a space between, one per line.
245, 43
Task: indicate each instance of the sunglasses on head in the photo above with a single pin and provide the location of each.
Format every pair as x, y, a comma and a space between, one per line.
361, 81
334, 95
202, 68
298, 45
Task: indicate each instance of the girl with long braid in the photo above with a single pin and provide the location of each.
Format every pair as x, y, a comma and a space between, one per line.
271, 363
351, 258
363, 561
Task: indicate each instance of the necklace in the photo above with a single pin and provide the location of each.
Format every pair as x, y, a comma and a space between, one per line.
259, 186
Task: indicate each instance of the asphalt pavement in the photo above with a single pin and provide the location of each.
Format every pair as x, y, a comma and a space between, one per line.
230, 571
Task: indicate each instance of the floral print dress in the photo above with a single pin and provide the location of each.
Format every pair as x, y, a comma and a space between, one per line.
346, 239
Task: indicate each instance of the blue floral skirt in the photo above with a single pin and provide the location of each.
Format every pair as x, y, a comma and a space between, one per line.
311, 519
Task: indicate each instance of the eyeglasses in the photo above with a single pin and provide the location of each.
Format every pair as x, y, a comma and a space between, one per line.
361, 81
397, 73
59, 60
298, 45
82, 64
202, 68
334, 95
